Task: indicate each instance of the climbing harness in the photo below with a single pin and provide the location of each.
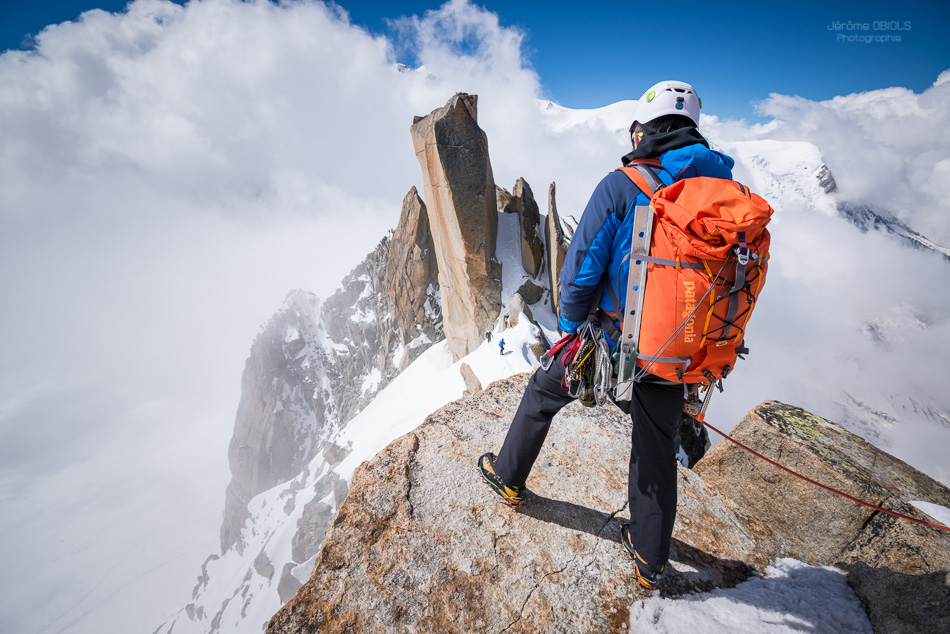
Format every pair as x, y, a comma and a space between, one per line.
588, 367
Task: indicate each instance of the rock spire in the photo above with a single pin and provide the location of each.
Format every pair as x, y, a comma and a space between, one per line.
461, 206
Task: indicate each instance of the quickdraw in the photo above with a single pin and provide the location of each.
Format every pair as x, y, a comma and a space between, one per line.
581, 362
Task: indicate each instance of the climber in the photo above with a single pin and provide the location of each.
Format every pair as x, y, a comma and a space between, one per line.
501, 346
665, 127
488, 336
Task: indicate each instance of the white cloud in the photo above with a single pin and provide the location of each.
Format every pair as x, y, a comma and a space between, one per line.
887, 148
167, 174
853, 326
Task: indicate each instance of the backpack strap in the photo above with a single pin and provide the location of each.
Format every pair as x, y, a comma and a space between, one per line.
743, 257
641, 173
676, 264
648, 182
655, 162
643, 177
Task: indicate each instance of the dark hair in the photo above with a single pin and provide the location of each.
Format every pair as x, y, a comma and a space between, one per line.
666, 123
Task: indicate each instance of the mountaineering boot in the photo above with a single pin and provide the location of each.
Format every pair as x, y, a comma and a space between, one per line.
512, 495
647, 576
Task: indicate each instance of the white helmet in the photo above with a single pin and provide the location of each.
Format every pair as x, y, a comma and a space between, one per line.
668, 97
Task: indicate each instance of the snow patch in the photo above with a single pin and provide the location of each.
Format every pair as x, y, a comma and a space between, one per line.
363, 316
939, 513
302, 572
614, 118
432, 303
792, 597
421, 339
371, 382
398, 353
785, 173
508, 252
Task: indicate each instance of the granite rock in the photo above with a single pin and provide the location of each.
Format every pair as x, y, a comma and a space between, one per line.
461, 206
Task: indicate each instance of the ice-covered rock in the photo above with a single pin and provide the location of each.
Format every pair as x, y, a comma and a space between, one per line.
522, 202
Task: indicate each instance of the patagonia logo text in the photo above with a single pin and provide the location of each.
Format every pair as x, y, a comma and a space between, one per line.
689, 333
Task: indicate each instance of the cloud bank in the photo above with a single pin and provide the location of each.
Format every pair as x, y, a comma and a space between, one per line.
887, 148
168, 173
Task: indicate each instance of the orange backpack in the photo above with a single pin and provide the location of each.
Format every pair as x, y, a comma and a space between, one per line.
689, 300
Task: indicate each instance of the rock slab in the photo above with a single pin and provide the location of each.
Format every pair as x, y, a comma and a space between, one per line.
557, 244
461, 206
422, 544
522, 202
412, 279
897, 568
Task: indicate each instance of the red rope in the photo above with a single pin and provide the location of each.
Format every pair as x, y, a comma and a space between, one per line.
819, 484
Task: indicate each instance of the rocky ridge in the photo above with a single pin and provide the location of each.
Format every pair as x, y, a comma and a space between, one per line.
401, 554
867, 219
287, 408
314, 366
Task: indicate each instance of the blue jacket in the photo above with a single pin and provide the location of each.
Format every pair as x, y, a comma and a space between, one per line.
603, 236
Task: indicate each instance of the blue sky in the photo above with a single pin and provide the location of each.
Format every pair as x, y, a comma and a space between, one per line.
595, 53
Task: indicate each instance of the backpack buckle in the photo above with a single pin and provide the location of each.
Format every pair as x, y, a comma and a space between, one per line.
743, 254
742, 251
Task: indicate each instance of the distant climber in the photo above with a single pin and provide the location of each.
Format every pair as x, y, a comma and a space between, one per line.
667, 148
488, 336
501, 347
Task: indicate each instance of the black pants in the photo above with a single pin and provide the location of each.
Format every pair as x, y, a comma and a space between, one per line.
656, 406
